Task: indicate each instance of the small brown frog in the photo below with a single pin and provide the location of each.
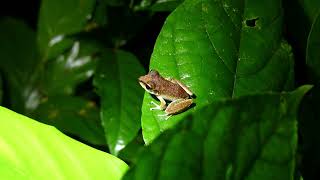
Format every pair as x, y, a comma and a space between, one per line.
167, 89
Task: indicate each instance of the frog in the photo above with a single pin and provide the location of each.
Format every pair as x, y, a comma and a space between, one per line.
167, 89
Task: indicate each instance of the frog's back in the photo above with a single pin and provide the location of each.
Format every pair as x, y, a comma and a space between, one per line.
171, 91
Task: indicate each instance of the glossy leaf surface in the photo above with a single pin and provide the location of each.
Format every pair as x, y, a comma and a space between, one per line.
121, 96
248, 137
31, 150
220, 49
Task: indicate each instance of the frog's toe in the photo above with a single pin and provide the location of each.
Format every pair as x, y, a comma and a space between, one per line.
156, 106
165, 115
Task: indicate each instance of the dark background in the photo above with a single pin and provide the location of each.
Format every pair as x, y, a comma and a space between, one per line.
25, 10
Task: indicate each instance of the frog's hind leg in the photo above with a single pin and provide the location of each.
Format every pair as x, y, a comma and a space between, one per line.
178, 106
162, 105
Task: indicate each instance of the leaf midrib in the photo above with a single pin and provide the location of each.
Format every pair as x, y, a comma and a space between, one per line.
237, 45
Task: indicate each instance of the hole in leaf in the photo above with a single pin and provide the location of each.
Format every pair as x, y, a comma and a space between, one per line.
252, 22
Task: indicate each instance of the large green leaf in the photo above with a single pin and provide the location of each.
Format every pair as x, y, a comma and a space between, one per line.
57, 20
116, 80
220, 49
31, 150
18, 61
313, 48
72, 115
250, 137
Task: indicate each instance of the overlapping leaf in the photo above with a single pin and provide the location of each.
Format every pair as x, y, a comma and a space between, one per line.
31, 150
249, 137
117, 84
220, 49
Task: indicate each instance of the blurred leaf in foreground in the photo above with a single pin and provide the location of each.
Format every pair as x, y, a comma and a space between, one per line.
31, 150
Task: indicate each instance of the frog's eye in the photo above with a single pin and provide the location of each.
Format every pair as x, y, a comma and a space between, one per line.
148, 86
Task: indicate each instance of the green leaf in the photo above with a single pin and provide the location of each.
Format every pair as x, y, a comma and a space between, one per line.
116, 80
57, 20
312, 51
65, 72
220, 49
72, 115
248, 137
31, 150
17, 63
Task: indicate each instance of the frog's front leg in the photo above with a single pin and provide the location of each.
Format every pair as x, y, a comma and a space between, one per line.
162, 105
178, 106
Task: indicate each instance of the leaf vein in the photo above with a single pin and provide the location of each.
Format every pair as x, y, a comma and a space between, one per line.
211, 42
